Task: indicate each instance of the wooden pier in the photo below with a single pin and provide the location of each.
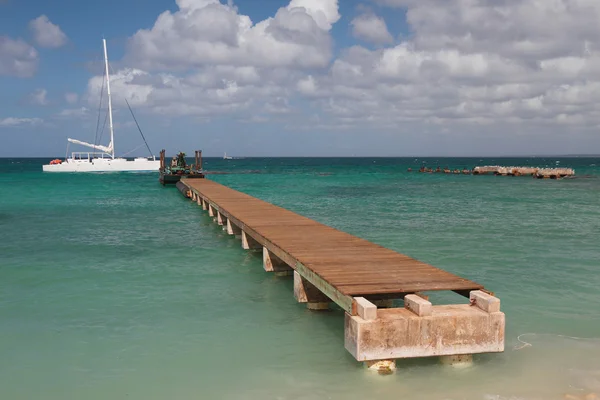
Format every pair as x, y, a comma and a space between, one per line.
362, 278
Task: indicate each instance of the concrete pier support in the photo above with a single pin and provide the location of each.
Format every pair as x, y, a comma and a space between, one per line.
233, 229
221, 219
272, 263
204, 205
199, 200
211, 211
427, 330
248, 242
306, 292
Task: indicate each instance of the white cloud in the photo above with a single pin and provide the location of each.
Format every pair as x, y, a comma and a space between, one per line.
324, 12
12, 122
47, 34
371, 28
208, 91
71, 98
469, 67
472, 62
207, 59
17, 58
38, 97
211, 33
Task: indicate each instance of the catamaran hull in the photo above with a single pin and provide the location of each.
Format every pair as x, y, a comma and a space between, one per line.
105, 165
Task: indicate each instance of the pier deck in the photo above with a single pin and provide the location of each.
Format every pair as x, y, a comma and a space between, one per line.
331, 265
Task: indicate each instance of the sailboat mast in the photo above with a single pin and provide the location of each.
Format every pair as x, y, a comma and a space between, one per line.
110, 116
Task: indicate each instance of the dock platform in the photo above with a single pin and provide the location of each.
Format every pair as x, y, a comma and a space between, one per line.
362, 278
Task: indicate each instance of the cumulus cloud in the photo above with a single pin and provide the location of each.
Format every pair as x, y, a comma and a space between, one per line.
208, 91
12, 122
208, 32
473, 62
371, 28
467, 66
207, 59
46, 34
17, 58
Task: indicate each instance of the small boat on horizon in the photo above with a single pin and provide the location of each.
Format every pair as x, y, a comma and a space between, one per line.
104, 159
225, 157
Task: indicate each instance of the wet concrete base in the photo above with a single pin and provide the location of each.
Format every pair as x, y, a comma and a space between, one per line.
444, 330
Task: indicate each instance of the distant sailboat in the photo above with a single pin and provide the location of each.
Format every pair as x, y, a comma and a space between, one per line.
103, 160
225, 157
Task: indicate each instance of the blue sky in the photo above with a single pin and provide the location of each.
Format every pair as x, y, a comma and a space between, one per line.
306, 77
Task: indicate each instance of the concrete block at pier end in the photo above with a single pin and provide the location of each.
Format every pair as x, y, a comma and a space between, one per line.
418, 305
484, 301
400, 333
365, 309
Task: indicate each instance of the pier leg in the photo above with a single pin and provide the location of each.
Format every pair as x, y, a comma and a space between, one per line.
233, 229
199, 200
248, 242
272, 263
204, 205
306, 292
383, 367
211, 211
221, 220
458, 360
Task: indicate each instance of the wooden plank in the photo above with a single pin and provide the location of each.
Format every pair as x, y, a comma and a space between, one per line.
337, 263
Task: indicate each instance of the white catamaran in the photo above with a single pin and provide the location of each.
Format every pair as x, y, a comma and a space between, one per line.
104, 159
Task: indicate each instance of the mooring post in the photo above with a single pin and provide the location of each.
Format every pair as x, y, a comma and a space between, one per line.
306, 292
272, 263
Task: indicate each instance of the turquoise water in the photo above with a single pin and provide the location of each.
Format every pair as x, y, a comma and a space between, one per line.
114, 287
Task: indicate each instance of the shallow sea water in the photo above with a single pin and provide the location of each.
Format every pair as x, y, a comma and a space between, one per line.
112, 286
